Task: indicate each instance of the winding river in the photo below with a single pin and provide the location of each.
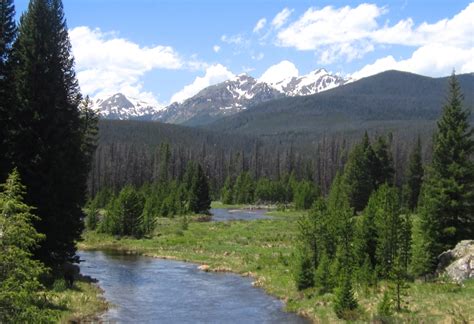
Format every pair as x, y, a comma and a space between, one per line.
148, 290
222, 214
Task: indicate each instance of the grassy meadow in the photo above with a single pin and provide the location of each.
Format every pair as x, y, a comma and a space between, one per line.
266, 250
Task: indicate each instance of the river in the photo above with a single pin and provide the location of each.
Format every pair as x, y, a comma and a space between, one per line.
149, 290
222, 214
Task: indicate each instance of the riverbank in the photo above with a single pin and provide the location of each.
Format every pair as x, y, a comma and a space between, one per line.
265, 250
83, 303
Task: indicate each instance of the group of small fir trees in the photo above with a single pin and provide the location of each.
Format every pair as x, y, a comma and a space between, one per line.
133, 211
286, 190
368, 229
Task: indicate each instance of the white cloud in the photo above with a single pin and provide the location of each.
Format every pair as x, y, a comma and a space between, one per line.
106, 63
233, 39
333, 32
214, 74
281, 18
348, 33
424, 62
216, 48
441, 47
260, 24
278, 72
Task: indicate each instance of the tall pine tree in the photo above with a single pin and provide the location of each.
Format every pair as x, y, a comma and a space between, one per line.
7, 37
447, 203
47, 143
414, 177
358, 174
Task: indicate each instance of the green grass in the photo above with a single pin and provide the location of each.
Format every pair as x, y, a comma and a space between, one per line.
265, 250
82, 303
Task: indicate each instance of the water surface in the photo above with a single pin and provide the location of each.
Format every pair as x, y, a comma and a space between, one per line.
148, 290
222, 214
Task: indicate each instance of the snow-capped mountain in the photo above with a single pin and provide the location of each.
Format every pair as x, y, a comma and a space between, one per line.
311, 83
121, 107
223, 99
216, 101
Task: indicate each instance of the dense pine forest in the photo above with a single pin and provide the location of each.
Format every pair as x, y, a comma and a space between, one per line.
382, 182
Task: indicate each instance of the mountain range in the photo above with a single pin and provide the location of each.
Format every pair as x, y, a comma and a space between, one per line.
217, 101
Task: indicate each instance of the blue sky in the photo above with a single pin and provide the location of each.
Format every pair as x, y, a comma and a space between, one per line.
163, 50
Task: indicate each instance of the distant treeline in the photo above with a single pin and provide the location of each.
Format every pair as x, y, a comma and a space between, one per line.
131, 152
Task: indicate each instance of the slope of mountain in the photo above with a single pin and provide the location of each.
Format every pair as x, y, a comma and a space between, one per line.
314, 82
217, 101
120, 107
223, 99
386, 101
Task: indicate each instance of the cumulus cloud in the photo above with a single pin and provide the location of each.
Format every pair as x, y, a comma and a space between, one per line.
216, 48
260, 24
333, 32
281, 18
278, 72
106, 63
348, 33
214, 74
441, 46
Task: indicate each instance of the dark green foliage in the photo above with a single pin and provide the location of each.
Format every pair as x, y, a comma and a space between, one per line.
388, 224
227, 194
7, 37
199, 198
446, 208
47, 145
323, 275
21, 300
382, 164
345, 304
358, 174
304, 195
92, 215
414, 177
305, 271
244, 189
123, 214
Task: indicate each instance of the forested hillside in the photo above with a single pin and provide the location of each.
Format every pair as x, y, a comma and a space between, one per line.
390, 100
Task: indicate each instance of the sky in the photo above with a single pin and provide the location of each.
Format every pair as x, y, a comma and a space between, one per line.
166, 51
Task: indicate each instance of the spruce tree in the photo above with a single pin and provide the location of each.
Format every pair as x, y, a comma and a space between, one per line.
447, 201
7, 38
47, 143
200, 200
345, 303
305, 272
227, 192
22, 298
358, 174
414, 177
383, 170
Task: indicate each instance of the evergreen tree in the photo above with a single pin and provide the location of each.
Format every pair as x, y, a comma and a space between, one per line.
414, 177
384, 307
388, 225
129, 208
345, 303
20, 298
447, 202
47, 142
305, 271
383, 170
358, 174
7, 38
227, 192
323, 273
92, 215
89, 129
200, 200
304, 195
